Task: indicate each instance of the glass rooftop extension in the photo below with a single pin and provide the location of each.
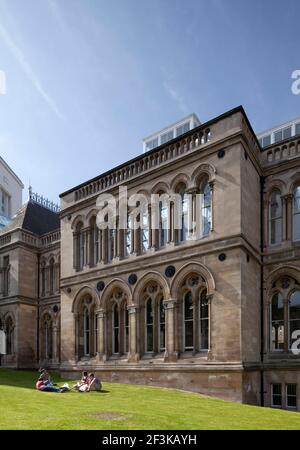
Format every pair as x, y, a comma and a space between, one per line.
172, 131
279, 133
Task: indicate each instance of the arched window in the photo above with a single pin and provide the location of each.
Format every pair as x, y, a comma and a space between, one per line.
296, 214
275, 214
183, 231
162, 326
47, 341
128, 241
96, 333
277, 322
43, 277
149, 325
145, 231
188, 321
86, 332
95, 243
126, 329
52, 276
115, 329
294, 315
80, 249
163, 223
154, 323
205, 196
204, 320
111, 244
9, 336
194, 325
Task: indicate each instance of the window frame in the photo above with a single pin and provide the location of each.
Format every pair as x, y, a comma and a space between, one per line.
277, 395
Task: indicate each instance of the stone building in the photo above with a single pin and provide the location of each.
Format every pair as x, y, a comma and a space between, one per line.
213, 309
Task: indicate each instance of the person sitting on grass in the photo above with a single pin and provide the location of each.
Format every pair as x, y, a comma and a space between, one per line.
45, 385
82, 382
94, 383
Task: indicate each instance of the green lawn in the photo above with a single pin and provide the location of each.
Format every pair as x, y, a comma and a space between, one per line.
121, 407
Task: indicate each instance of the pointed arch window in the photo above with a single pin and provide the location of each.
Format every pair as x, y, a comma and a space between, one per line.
275, 214
128, 241
296, 214
163, 224
48, 337
86, 332
162, 325
80, 246
126, 329
96, 332
95, 234
145, 231
149, 325
52, 276
204, 320
115, 329
188, 321
43, 276
277, 322
293, 315
9, 336
206, 206
183, 232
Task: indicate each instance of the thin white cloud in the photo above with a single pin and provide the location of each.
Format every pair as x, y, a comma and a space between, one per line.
57, 14
176, 97
29, 72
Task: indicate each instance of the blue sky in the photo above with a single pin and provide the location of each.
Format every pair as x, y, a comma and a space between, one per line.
86, 80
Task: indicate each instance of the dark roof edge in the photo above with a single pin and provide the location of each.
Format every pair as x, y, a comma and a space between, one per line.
130, 161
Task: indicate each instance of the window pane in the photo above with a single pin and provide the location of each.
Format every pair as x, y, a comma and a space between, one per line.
291, 396
278, 136
166, 137
277, 323
189, 335
276, 395
287, 133
188, 306
296, 227
297, 128
266, 140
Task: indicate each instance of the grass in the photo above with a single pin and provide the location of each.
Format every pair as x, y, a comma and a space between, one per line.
123, 407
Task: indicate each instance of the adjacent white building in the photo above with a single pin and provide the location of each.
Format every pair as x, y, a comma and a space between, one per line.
170, 132
11, 188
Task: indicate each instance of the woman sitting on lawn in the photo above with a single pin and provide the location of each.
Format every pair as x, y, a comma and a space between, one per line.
94, 383
45, 385
82, 382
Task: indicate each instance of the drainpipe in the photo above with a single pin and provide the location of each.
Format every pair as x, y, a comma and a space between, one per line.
262, 337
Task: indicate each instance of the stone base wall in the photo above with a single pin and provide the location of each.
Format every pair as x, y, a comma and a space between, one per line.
223, 384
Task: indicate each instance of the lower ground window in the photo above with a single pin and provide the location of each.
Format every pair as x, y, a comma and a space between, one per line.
276, 395
291, 396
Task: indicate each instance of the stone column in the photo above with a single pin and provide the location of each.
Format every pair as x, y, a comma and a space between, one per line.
286, 328
76, 340
101, 354
284, 217
289, 217
149, 227
266, 233
171, 354
211, 185
54, 355
267, 326
133, 352
210, 351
